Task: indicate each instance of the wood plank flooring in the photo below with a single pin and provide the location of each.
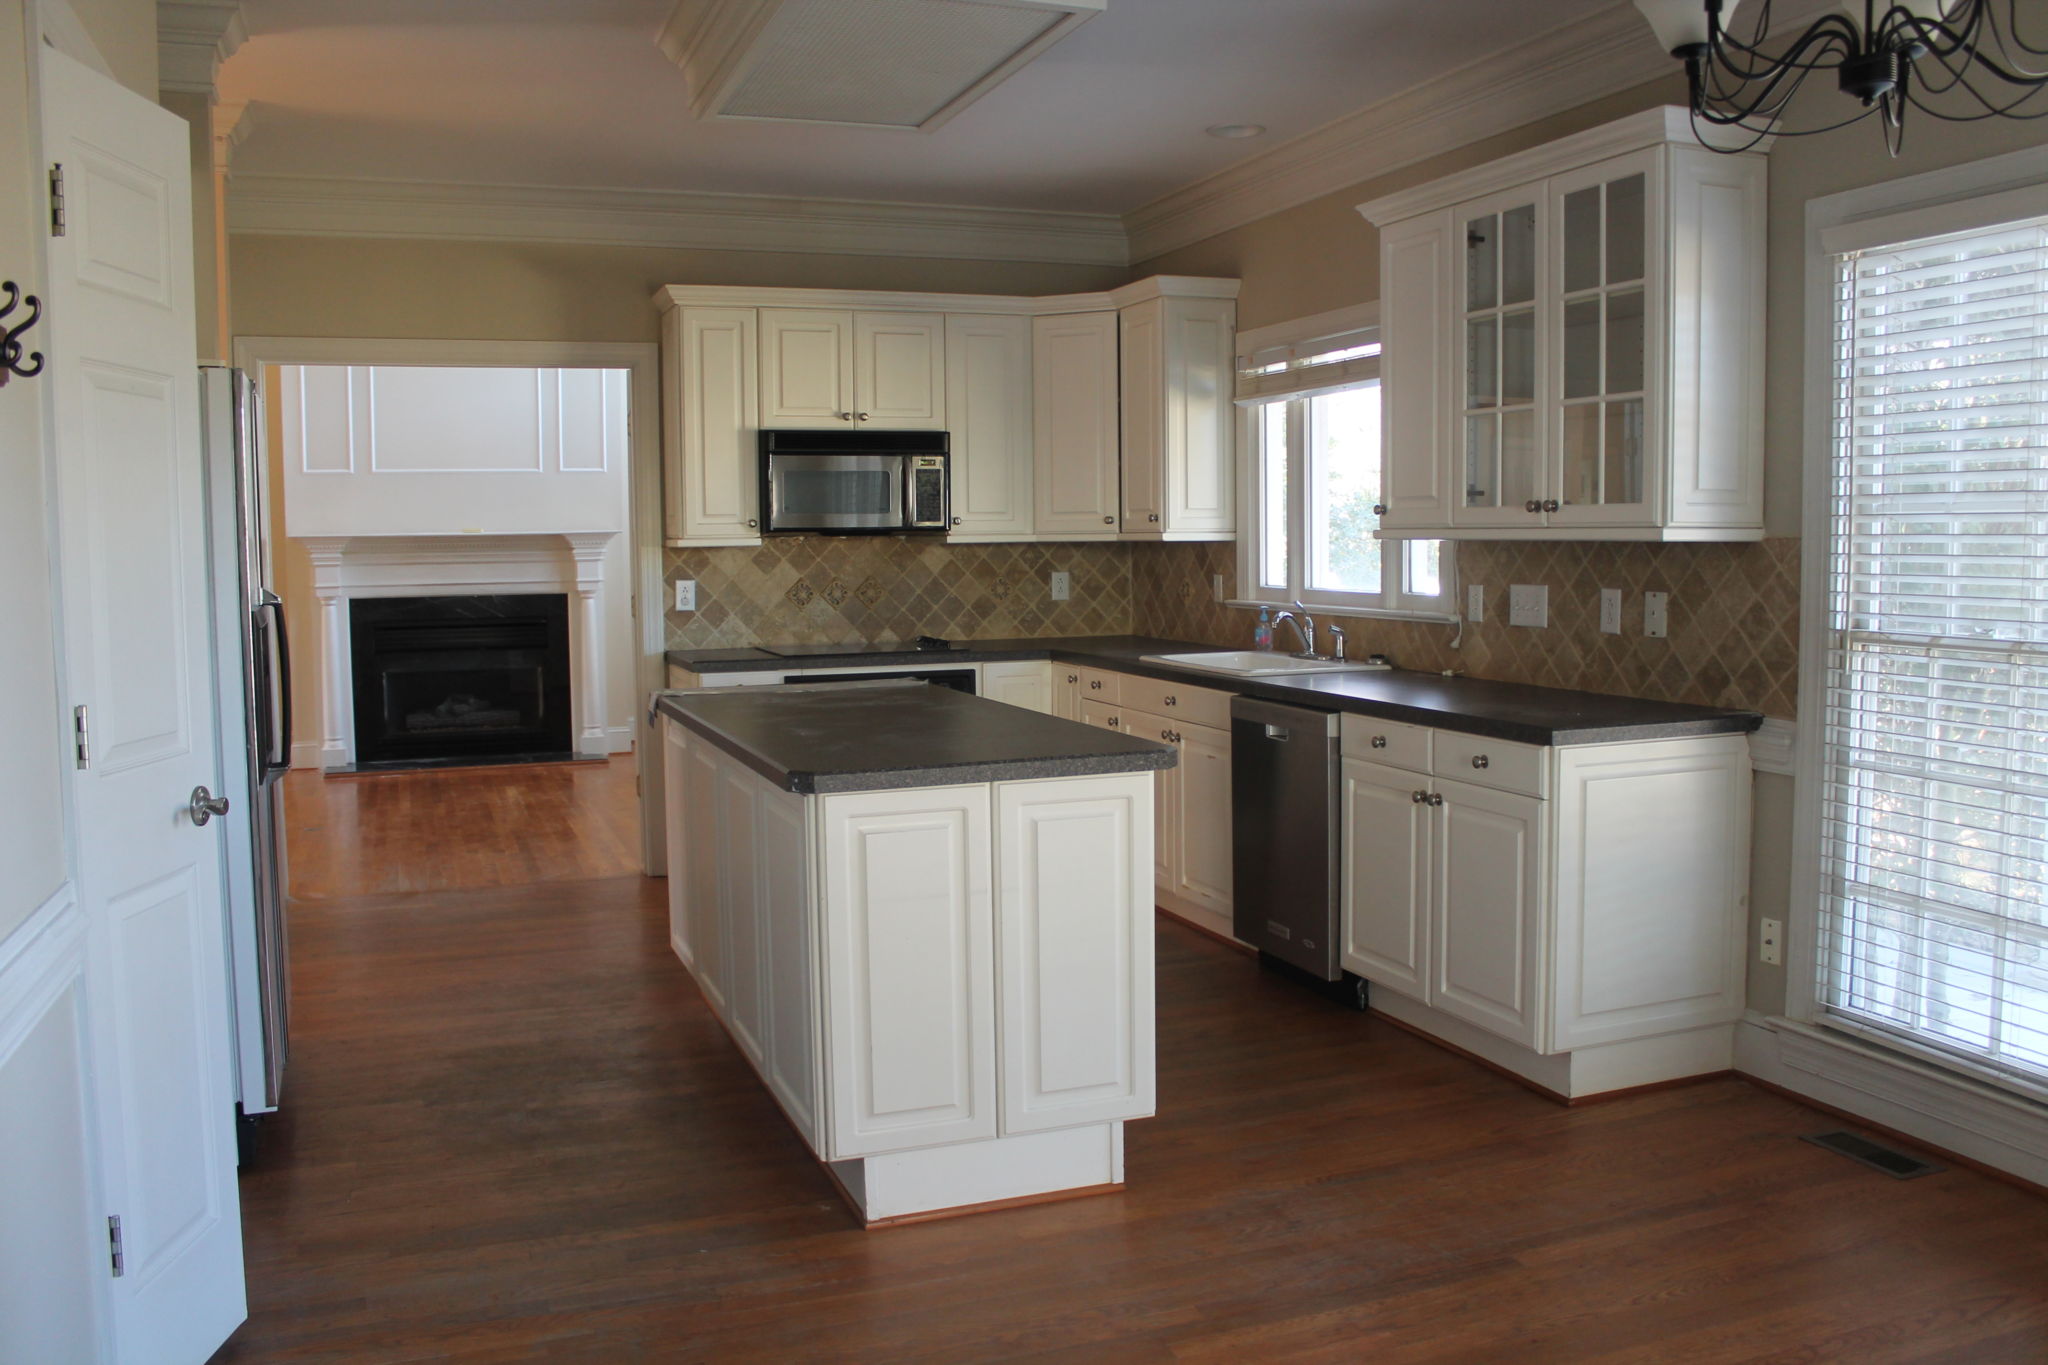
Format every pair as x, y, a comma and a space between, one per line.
443, 829
513, 1133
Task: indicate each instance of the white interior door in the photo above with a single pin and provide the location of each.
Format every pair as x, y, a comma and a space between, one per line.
134, 608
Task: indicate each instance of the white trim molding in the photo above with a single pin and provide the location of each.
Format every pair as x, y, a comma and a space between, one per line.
43, 955
1772, 747
1912, 1098
314, 206
193, 37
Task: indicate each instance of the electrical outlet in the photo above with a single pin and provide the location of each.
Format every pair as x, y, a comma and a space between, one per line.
1475, 602
1610, 611
1770, 944
1656, 614
1528, 604
686, 594
1062, 586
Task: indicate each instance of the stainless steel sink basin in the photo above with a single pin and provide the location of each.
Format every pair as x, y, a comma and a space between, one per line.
1253, 663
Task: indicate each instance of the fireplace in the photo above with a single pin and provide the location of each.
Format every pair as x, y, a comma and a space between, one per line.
460, 679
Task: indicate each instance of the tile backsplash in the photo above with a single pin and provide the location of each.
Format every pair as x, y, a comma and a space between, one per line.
1734, 627
834, 589
1733, 640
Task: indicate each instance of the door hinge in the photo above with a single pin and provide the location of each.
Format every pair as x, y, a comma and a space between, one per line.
81, 736
57, 199
120, 1261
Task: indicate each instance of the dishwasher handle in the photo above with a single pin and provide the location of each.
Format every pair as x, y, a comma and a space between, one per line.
1281, 722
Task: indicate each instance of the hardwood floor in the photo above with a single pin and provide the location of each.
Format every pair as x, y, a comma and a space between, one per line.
443, 829
513, 1133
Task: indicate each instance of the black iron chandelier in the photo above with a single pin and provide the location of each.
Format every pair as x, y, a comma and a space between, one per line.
1960, 60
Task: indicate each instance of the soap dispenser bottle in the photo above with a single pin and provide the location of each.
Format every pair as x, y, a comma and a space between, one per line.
1262, 638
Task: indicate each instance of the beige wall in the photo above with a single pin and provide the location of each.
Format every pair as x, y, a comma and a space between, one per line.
31, 779
209, 241
124, 31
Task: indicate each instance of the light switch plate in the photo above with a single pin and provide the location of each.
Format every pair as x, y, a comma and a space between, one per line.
1062, 586
1216, 588
1610, 611
686, 594
1528, 604
1475, 602
1656, 614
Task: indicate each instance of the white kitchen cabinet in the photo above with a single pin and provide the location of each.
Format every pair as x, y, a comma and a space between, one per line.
1074, 425
1066, 691
1075, 908
1574, 342
1026, 683
824, 367
1103, 714
739, 904
1584, 905
701, 902
1178, 375
710, 424
1192, 862
988, 410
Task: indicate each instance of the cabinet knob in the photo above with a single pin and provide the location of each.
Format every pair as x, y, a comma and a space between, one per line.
1116, 723
1095, 684
1109, 521
1151, 516
1436, 798
1550, 504
1166, 735
956, 521
1073, 677
1532, 506
860, 417
1170, 701
1176, 736
1379, 509
1481, 761
1379, 741
753, 521
846, 417
1419, 798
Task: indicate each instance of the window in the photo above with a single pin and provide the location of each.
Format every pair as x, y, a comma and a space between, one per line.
1312, 436
1934, 879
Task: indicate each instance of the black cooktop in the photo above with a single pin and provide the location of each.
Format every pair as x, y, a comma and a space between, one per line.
923, 644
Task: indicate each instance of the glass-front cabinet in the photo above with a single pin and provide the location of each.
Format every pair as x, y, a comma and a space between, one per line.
1593, 341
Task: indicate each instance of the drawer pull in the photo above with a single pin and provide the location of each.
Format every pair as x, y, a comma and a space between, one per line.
1481, 761
1170, 700
1379, 741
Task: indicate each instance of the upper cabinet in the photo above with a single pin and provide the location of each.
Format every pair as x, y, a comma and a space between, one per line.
1574, 342
835, 368
1100, 416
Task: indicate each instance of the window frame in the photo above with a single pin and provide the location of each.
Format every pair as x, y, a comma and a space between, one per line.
1393, 601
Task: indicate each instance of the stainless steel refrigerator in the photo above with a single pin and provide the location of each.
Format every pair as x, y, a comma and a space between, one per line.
252, 674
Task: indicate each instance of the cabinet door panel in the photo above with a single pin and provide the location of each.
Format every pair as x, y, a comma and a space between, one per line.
1075, 909
988, 410
1487, 874
899, 371
791, 1063
1202, 861
1502, 456
1026, 684
1142, 401
739, 908
1066, 691
1415, 415
1386, 876
713, 412
1074, 425
1200, 475
806, 368
675, 791
700, 825
910, 968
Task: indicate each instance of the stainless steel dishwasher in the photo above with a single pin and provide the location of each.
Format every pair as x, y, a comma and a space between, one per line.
1284, 811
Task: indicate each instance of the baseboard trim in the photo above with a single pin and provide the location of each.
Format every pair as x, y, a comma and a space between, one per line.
1205, 925
1555, 1097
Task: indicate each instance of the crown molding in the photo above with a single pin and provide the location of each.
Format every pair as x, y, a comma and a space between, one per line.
311, 206
1602, 54
193, 37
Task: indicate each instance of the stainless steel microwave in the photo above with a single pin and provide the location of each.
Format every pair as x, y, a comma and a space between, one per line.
852, 482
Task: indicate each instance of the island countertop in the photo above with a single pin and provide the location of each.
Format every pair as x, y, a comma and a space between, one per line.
845, 737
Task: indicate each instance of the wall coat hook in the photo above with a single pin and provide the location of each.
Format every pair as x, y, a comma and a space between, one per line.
11, 362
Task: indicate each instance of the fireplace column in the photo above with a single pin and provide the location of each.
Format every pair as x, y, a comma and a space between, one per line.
593, 740
335, 699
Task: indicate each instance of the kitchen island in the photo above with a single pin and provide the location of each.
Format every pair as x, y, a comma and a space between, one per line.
925, 919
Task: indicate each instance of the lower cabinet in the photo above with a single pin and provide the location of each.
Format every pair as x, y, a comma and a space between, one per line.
1027, 683
1575, 898
1192, 861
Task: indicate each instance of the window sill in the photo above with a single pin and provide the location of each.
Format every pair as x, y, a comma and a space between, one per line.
1433, 618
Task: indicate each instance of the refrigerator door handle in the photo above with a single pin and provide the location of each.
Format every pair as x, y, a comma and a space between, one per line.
277, 704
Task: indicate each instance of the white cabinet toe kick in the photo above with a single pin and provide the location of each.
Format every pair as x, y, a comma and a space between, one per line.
947, 989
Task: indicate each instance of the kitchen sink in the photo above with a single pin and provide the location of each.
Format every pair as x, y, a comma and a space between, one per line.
1254, 663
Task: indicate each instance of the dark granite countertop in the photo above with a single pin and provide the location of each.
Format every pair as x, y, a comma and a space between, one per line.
850, 737
1498, 710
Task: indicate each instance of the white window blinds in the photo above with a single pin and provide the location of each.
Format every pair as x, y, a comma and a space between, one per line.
1324, 364
1934, 922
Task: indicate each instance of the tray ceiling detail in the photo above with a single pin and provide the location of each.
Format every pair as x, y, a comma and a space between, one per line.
908, 64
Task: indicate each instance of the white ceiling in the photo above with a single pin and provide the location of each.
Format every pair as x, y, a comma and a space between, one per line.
574, 93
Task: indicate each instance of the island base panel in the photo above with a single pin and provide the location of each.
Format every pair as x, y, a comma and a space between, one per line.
974, 1177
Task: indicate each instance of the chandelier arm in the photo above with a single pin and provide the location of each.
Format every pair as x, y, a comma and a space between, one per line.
1778, 85
2013, 23
1959, 73
1822, 33
1989, 109
2010, 71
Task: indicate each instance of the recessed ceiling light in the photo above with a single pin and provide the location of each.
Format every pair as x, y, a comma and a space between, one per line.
1235, 130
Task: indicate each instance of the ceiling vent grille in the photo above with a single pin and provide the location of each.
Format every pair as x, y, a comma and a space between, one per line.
864, 63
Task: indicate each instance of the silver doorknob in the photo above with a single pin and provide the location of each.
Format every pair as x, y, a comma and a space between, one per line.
204, 805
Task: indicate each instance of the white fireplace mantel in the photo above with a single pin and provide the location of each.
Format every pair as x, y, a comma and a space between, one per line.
346, 567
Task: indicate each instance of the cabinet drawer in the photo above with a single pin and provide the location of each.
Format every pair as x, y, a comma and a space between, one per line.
1498, 763
1175, 701
1099, 686
1386, 741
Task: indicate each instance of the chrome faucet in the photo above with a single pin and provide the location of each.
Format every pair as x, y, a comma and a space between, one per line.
1304, 627
1337, 641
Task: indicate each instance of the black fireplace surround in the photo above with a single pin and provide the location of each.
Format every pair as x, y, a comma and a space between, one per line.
454, 679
